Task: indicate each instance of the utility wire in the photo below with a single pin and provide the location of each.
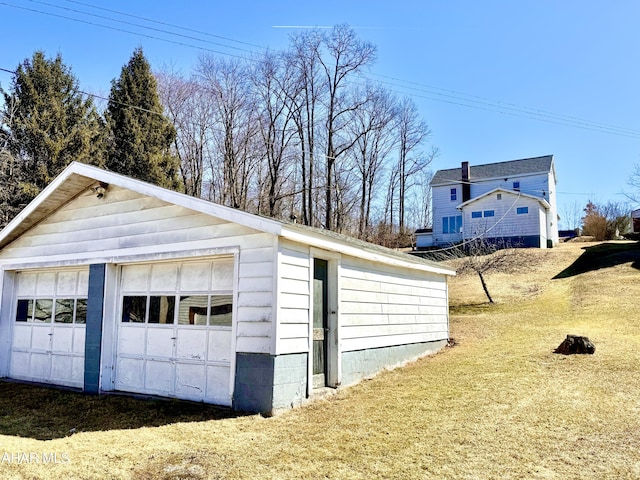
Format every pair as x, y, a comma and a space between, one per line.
103, 17
166, 24
497, 108
487, 101
419, 90
123, 30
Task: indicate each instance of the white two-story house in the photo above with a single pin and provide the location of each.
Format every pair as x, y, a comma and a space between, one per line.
513, 201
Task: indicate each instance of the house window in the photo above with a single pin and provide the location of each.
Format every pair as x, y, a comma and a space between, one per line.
489, 213
476, 214
516, 186
499, 196
454, 195
452, 224
522, 210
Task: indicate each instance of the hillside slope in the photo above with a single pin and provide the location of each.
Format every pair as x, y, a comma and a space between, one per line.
499, 404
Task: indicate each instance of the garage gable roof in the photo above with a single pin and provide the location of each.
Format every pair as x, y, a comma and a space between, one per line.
79, 177
542, 201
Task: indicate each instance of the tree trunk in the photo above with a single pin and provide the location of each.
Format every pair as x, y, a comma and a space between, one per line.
484, 286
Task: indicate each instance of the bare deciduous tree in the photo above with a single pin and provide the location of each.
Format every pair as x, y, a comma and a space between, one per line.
274, 86
191, 110
419, 202
372, 126
634, 183
481, 256
228, 85
571, 215
303, 60
412, 132
346, 56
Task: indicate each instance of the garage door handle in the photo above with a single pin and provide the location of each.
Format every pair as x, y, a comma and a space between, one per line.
173, 338
49, 334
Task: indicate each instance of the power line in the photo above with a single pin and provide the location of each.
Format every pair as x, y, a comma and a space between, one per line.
103, 17
166, 24
498, 103
93, 95
498, 107
425, 91
122, 30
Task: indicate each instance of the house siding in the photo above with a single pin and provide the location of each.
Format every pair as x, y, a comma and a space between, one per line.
443, 206
384, 306
506, 222
541, 185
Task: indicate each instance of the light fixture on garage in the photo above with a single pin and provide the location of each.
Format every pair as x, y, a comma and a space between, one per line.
100, 189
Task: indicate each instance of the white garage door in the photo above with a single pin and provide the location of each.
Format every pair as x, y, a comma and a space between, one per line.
175, 330
49, 328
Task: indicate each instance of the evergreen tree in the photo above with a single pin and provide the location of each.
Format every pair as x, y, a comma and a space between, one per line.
45, 124
140, 135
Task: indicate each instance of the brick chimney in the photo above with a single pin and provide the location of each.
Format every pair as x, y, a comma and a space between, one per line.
466, 179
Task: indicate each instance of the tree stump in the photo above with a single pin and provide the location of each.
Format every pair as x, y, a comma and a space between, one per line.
576, 344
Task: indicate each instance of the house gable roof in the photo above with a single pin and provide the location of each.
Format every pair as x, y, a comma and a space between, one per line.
512, 168
541, 201
78, 178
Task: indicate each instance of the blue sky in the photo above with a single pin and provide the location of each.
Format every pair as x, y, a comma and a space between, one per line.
483, 74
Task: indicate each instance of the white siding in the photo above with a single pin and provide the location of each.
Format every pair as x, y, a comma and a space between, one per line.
540, 185
255, 297
383, 306
534, 185
552, 214
294, 298
506, 222
443, 206
424, 240
125, 223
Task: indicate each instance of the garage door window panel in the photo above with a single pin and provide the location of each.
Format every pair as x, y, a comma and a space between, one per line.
162, 309
221, 310
24, 312
65, 308
44, 310
194, 310
81, 311
134, 308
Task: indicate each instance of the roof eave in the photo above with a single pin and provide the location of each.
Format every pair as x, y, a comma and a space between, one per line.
37, 209
542, 201
320, 241
487, 179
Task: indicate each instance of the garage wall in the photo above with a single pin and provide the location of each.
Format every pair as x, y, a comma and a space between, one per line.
125, 223
294, 298
385, 306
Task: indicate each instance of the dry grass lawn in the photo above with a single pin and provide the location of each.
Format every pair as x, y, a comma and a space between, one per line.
500, 404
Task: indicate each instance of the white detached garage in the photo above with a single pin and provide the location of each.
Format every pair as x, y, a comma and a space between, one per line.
109, 283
